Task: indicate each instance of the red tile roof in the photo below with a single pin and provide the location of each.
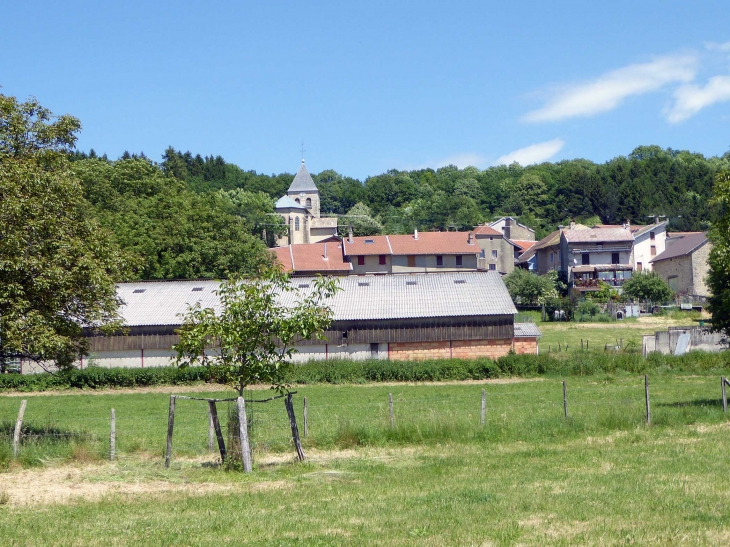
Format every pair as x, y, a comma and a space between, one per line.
309, 257
433, 243
369, 245
523, 245
487, 231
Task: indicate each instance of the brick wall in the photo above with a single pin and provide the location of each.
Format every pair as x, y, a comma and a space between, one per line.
465, 349
526, 346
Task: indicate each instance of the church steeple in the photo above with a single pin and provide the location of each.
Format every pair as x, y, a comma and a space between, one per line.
302, 182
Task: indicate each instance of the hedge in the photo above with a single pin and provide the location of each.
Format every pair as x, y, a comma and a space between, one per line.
339, 371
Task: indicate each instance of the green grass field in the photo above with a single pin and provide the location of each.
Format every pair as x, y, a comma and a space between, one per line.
529, 477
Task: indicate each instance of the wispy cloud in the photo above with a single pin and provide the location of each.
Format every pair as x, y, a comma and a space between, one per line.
535, 153
690, 99
714, 46
608, 90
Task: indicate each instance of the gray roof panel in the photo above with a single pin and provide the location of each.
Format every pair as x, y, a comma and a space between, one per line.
527, 330
361, 298
302, 182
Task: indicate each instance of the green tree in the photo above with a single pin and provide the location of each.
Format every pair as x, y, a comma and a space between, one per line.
361, 220
526, 287
647, 286
251, 339
58, 267
719, 277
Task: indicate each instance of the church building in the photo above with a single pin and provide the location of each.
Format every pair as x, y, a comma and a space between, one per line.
300, 209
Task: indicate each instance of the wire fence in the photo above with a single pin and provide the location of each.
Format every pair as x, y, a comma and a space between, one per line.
375, 416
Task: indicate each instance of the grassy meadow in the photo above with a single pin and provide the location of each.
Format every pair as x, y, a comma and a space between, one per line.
528, 477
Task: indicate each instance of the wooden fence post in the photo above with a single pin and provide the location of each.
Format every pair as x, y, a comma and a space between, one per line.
294, 429
723, 382
211, 431
243, 435
18, 426
646, 393
217, 427
170, 427
565, 399
484, 407
392, 413
306, 418
113, 437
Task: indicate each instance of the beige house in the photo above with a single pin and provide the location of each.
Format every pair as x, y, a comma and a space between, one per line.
496, 252
510, 228
589, 256
300, 210
684, 265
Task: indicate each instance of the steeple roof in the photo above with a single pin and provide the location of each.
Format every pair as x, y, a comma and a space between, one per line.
302, 182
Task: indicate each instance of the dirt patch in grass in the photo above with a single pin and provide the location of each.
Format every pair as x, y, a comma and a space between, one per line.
205, 388
62, 485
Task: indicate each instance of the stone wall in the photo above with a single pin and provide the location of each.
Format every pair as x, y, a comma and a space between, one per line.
701, 269
677, 272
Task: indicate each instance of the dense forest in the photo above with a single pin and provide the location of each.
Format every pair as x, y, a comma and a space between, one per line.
194, 216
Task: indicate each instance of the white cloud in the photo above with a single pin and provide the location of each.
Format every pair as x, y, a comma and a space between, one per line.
690, 99
610, 89
714, 46
535, 153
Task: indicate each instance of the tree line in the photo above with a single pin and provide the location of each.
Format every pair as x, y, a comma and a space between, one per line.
650, 181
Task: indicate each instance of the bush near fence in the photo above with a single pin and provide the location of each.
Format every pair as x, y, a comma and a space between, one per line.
344, 371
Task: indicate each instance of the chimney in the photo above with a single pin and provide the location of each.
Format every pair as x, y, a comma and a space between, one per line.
561, 227
628, 224
325, 251
572, 224
471, 238
349, 237
415, 233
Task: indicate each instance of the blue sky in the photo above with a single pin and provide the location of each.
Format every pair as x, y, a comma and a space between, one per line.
372, 86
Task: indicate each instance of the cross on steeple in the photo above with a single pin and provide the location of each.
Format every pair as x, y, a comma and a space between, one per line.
303, 151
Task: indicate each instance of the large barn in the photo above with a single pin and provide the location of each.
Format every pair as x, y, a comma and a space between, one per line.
464, 314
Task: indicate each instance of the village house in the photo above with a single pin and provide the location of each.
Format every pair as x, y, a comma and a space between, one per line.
497, 252
458, 314
420, 252
596, 254
684, 264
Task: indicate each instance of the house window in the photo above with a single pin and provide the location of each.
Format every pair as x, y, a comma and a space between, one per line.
308, 202
439, 260
552, 257
652, 236
411, 261
653, 250
614, 258
492, 266
639, 266
296, 224
361, 260
585, 259
382, 260
297, 200
459, 260
494, 253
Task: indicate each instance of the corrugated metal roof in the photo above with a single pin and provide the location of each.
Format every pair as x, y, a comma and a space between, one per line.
370, 297
160, 302
527, 330
302, 182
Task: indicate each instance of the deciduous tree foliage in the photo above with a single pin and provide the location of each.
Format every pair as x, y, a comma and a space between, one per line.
647, 286
526, 287
57, 265
719, 278
251, 338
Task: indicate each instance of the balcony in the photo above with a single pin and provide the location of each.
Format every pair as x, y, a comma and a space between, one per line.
595, 284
